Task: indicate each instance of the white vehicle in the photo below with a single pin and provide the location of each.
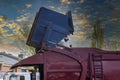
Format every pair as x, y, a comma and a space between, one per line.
2, 74
21, 76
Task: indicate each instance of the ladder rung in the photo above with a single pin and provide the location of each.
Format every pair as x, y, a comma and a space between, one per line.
97, 55
100, 76
98, 70
97, 60
98, 65
98, 73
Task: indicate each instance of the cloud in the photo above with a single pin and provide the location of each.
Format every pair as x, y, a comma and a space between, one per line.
79, 35
28, 5
11, 42
80, 19
2, 31
113, 20
13, 25
77, 9
81, 1
62, 8
67, 2
52, 7
11, 49
21, 10
17, 29
2, 24
2, 18
64, 1
14, 29
82, 22
24, 17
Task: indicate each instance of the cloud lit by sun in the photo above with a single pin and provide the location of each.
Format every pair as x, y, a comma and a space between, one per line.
28, 5
16, 19
68, 2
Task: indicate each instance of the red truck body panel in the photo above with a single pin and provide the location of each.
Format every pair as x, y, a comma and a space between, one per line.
75, 64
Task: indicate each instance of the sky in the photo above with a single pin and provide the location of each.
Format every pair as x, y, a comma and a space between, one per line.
17, 16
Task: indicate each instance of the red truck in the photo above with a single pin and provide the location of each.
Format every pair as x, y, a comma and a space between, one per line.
63, 63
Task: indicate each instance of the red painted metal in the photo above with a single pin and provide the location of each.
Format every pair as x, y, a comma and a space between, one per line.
30, 61
110, 65
66, 64
76, 64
